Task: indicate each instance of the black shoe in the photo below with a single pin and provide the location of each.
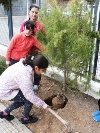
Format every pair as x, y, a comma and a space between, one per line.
7, 117
30, 120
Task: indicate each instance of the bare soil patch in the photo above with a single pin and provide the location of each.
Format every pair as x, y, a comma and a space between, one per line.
77, 111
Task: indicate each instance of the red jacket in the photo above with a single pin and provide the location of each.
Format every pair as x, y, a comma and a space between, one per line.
38, 27
20, 46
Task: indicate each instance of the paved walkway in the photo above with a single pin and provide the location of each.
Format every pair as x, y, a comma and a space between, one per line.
15, 126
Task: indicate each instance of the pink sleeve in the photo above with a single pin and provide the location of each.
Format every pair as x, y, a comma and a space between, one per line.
22, 26
39, 27
42, 28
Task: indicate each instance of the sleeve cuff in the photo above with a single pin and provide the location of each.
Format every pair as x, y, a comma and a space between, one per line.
45, 106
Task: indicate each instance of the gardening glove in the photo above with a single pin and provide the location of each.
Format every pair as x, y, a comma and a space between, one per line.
35, 88
8, 63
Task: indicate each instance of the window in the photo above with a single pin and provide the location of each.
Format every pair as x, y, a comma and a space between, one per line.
34, 1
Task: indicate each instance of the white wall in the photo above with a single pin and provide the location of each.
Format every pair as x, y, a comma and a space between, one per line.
3, 50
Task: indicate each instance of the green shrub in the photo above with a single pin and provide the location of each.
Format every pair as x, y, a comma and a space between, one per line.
2, 65
66, 38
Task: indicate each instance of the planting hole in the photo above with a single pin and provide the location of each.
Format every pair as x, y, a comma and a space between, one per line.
56, 101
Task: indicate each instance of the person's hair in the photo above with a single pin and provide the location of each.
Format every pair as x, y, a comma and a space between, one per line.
38, 60
29, 25
32, 6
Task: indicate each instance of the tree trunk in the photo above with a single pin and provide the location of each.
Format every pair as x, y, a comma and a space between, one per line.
64, 82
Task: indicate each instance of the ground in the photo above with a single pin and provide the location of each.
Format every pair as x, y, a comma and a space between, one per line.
77, 112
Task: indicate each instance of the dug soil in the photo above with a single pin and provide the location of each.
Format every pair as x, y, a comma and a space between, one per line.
77, 111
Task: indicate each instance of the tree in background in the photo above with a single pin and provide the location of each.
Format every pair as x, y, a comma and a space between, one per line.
6, 3
69, 47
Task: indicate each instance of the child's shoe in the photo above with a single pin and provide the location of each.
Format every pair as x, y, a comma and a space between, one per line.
96, 113
97, 118
30, 120
7, 117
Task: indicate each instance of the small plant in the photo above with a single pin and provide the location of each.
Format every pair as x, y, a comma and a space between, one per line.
2, 66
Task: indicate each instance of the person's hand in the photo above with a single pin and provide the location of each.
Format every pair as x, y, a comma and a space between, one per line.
47, 108
8, 63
